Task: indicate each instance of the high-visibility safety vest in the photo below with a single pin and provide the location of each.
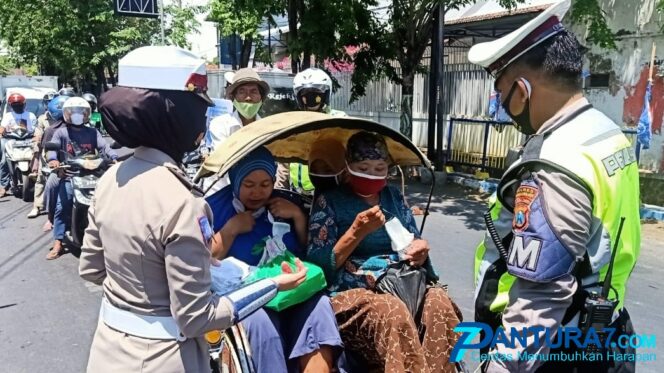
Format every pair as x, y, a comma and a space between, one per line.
591, 149
299, 177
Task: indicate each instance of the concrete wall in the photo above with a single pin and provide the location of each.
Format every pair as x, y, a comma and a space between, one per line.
638, 25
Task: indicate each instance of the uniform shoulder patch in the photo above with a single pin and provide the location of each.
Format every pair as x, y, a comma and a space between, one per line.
206, 229
525, 195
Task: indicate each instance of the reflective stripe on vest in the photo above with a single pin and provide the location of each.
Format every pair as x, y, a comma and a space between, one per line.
299, 176
493, 282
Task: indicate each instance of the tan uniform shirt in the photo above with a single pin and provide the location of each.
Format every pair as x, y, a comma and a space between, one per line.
145, 244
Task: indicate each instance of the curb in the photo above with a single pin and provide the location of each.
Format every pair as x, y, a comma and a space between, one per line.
483, 186
652, 212
489, 186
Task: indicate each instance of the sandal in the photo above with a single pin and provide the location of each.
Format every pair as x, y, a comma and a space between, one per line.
54, 254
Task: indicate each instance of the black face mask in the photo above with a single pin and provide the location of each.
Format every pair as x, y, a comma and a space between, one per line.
18, 108
312, 99
324, 183
522, 119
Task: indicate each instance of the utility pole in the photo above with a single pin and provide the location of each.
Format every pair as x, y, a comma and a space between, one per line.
433, 87
162, 22
441, 116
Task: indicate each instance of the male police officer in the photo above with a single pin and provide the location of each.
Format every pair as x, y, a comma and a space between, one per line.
559, 208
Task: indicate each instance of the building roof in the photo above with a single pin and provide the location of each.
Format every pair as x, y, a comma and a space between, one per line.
486, 18
491, 16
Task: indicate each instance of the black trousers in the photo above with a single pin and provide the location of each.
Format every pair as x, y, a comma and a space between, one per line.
623, 326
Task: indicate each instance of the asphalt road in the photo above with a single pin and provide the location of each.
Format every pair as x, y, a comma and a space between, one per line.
48, 314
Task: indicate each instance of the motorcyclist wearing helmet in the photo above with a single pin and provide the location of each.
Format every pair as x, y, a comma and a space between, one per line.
95, 116
51, 184
67, 91
43, 123
74, 139
18, 117
45, 120
313, 91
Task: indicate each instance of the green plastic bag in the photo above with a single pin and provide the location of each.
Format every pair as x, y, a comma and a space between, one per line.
314, 282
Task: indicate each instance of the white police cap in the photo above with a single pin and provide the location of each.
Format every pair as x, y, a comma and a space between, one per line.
496, 55
164, 67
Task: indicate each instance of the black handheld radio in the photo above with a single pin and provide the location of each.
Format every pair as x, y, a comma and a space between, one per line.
598, 309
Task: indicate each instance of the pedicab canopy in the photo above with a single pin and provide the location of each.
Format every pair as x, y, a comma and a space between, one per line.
289, 137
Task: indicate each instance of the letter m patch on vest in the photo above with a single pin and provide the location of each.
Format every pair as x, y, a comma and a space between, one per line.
524, 255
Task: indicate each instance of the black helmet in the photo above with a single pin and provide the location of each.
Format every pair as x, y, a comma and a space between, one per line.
67, 91
91, 99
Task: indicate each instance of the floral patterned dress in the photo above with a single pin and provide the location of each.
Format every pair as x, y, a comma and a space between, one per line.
332, 215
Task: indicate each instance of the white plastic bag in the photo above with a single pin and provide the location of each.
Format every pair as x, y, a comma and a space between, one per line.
400, 236
229, 275
275, 246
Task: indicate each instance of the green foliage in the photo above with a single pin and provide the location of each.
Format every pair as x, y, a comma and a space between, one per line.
243, 17
589, 12
79, 39
5, 65
182, 23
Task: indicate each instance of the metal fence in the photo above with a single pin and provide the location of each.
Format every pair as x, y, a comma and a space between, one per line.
480, 143
466, 92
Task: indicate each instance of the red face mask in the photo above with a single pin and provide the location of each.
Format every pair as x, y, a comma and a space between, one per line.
366, 185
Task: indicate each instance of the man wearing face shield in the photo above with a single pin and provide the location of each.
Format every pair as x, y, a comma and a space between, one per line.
18, 117
556, 218
149, 234
248, 92
74, 139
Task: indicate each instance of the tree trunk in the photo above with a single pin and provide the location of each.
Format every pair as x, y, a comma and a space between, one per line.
406, 125
306, 57
247, 43
101, 80
292, 32
306, 60
111, 75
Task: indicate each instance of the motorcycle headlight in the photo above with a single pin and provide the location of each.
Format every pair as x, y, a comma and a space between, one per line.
82, 197
84, 182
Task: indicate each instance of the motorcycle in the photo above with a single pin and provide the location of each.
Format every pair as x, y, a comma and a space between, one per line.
84, 171
19, 152
191, 162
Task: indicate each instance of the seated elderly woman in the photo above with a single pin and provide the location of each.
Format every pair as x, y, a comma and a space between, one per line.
303, 337
347, 238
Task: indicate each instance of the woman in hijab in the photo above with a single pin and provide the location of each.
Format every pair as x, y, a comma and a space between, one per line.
347, 238
148, 238
304, 337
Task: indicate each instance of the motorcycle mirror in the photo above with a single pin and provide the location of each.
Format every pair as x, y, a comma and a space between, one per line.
52, 146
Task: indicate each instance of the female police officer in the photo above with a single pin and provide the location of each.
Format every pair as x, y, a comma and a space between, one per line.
148, 237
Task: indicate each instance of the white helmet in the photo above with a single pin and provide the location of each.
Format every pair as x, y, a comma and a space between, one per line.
76, 111
312, 88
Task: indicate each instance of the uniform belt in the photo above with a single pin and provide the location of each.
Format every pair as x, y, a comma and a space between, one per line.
151, 327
